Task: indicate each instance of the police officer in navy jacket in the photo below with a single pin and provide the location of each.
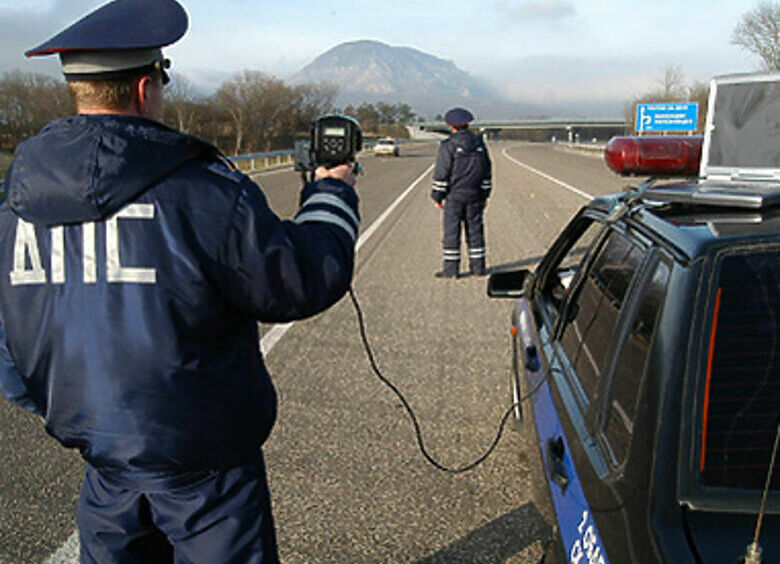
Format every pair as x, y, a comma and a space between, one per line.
462, 182
135, 262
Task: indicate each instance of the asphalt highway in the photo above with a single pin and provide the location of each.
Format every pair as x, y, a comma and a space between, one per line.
348, 482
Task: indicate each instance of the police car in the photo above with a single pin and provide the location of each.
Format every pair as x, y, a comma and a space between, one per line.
648, 343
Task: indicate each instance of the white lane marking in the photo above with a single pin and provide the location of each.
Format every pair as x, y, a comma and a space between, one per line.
68, 553
277, 331
273, 336
374, 226
548, 177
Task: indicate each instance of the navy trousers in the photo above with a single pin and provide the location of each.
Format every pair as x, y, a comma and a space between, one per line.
469, 213
223, 518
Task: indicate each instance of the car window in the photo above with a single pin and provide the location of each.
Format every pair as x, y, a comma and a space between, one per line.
560, 275
630, 367
573, 258
742, 373
587, 335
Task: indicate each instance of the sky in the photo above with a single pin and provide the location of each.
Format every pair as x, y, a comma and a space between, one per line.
586, 55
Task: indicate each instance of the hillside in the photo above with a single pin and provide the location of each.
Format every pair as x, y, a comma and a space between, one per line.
371, 71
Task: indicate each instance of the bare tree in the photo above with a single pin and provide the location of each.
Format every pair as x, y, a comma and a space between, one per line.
251, 111
758, 32
213, 124
387, 113
672, 87
181, 105
256, 103
273, 114
368, 116
313, 100
383, 118
699, 92
672, 83
405, 114
231, 97
28, 101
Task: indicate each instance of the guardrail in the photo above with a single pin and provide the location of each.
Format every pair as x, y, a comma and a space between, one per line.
274, 159
264, 161
592, 148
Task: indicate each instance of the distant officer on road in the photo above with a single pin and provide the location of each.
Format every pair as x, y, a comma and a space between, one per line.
135, 262
461, 186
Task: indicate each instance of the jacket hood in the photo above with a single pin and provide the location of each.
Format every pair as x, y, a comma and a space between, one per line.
87, 167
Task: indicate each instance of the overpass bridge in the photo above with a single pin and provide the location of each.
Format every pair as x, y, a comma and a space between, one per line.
570, 129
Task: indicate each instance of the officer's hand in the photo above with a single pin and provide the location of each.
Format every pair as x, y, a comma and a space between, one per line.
438, 205
345, 172
484, 205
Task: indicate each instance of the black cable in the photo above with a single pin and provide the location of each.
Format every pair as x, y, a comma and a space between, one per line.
410, 411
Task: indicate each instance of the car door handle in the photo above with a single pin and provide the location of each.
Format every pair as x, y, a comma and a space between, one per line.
555, 453
531, 358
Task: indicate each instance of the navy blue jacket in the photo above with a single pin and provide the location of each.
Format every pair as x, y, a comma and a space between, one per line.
134, 266
462, 170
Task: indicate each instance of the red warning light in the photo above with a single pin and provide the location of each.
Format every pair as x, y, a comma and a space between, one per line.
655, 156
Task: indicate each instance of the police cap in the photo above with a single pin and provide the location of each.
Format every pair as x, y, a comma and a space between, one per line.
458, 116
117, 39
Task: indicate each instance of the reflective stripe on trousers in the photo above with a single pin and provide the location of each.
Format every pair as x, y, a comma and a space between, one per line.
471, 215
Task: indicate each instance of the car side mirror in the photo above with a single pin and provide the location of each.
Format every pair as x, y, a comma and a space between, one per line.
509, 284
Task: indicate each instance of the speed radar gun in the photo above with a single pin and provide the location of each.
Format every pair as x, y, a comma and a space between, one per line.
335, 140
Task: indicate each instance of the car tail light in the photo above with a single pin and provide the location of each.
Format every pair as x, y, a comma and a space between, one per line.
654, 156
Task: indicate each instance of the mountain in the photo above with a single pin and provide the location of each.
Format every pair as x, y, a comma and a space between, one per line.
371, 71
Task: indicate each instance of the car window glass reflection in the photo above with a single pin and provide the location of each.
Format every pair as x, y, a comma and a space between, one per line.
741, 397
559, 282
630, 368
587, 336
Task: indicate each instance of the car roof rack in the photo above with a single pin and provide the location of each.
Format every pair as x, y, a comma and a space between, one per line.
704, 193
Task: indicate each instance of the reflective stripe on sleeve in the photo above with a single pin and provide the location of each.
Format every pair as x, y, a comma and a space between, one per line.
321, 216
332, 200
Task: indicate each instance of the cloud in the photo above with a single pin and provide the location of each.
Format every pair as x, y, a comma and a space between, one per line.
590, 86
550, 10
26, 27
600, 85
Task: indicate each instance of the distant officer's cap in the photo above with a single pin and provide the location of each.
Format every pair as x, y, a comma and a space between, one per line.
118, 39
458, 116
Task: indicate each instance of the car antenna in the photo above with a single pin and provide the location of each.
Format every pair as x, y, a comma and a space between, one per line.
753, 554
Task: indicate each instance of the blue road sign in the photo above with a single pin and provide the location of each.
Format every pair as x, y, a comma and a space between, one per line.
667, 117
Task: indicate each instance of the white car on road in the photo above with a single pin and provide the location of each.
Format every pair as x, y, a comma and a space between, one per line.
386, 147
